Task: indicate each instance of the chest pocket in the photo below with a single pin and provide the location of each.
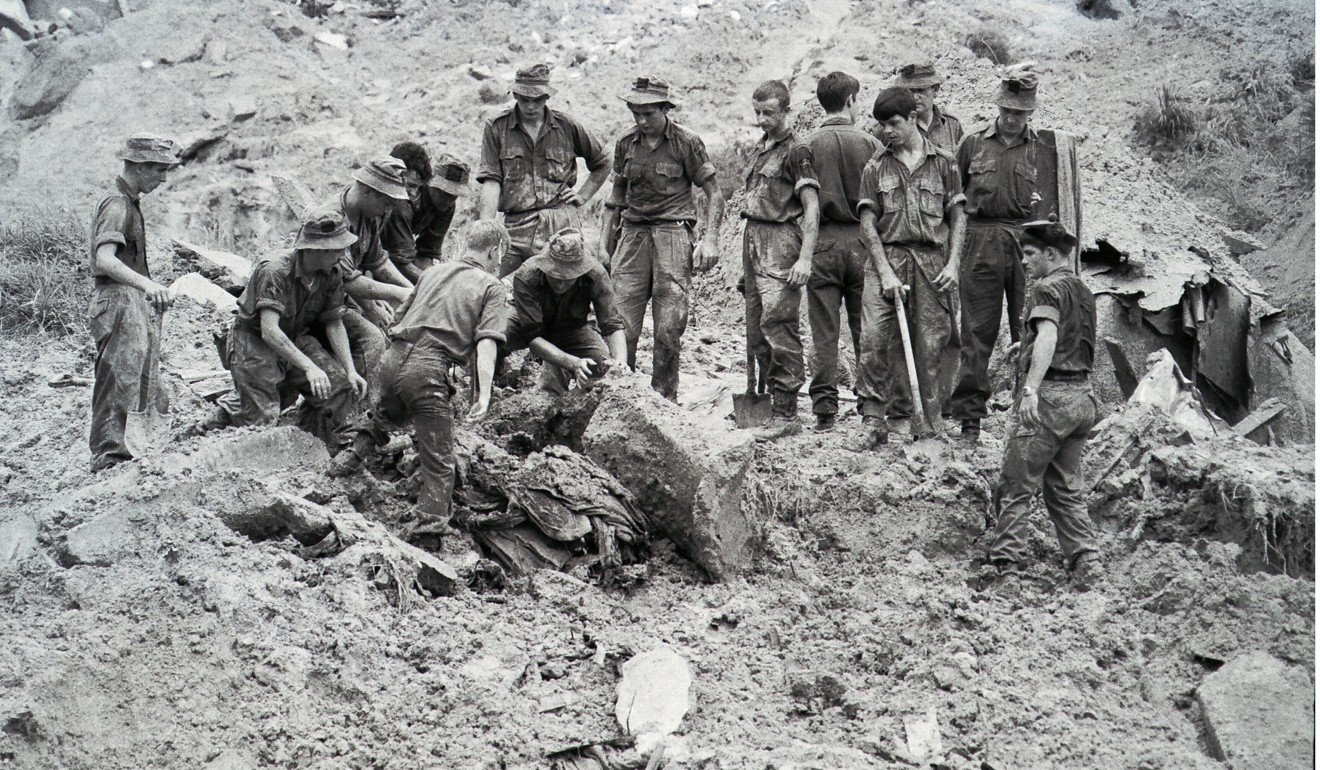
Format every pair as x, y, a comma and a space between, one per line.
558, 164
931, 197
889, 190
669, 177
1026, 170
982, 164
515, 163
766, 174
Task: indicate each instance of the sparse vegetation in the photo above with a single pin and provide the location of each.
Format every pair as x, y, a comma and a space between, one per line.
990, 43
44, 276
1168, 124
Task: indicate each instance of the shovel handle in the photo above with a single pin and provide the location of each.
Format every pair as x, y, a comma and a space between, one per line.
917, 406
147, 383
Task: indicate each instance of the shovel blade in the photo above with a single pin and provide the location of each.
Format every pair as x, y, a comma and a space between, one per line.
146, 432
751, 410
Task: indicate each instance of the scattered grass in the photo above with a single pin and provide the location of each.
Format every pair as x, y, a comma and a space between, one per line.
1168, 124
45, 281
990, 43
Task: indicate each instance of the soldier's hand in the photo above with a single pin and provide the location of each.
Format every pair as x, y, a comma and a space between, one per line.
573, 199
160, 298
704, 256
581, 370
1029, 410
947, 280
890, 285
1011, 354
799, 273
319, 382
358, 384
478, 410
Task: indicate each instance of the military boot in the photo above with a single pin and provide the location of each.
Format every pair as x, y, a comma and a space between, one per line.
350, 457
783, 418
875, 431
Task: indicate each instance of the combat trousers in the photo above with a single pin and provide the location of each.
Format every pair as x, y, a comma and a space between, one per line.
774, 308
838, 270
583, 342
415, 386
882, 377
654, 262
1050, 454
991, 271
529, 231
265, 384
123, 326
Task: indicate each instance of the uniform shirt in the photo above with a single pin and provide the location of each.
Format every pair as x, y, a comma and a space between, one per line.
536, 173
366, 254
1064, 299
839, 152
118, 220
418, 229
912, 207
301, 297
776, 178
999, 179
544, 306
655, 185
457, 304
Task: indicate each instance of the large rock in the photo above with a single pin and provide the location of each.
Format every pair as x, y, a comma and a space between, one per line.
18, 539
1260, 713
100, 542
687, 475
270, 451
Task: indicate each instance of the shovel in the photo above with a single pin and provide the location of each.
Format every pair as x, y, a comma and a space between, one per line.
751, 409
147, 430
920, 423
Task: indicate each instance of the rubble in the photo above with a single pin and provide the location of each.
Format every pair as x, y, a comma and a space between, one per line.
1259, 713
688, 480
652, 696
102, 541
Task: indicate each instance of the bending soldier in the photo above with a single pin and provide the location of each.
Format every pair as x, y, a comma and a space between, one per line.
125, 301
415, 231
649, 231
374, 285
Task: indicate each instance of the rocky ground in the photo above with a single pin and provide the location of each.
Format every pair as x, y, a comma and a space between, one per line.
148, 624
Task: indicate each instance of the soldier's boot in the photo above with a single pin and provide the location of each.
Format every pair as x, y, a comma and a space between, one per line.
1087, 569
350, 457
875, 431
783, 418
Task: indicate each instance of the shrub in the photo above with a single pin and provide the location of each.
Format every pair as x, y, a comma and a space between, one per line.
44, 276
989, 43
1168, 124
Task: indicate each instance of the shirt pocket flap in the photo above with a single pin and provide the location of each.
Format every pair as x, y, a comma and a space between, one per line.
671, 170
772, 168
888, 182
982, 164
559, 154
510, 151
1026, 170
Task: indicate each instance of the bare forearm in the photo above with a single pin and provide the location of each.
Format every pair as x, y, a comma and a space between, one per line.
284, 347
957, 234
486, 350
489, 201
871, 237
593, 184
1042, 353
609, 234
108, 265
714, 210
338, 337
388, 273
550, 353
810, 222
617, 342
363, 287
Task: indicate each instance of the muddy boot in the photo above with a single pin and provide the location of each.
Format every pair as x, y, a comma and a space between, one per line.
971, 429
783, 418
350, 457
216, 420
825, 423
875, 431
989, 573
427, 532
1087, 569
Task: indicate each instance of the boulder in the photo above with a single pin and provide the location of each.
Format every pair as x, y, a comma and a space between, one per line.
101, 541
1259, 713
196, 287
687, 475
271, 451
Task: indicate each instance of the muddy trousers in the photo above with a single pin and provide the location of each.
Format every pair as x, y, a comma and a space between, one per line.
991, 272
882, 376
264, 383
529, 231
415, 386
838, 270
583, 342
774, 309
653, 263
1049, 455
123, 326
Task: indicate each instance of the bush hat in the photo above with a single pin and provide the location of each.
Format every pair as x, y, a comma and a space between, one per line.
451, 175
325, 230
533, 81
149, 148
565, 255
1051, 233
1017, 88
917, 76
384, 175
650, 90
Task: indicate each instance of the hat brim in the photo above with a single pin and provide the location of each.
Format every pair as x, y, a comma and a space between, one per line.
531, 91
149, 157
336, 243
921, 82
394, 190
564, 271
453, 188
1016, 101
638, 98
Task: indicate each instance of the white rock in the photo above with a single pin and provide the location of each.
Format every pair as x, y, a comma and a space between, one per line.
653, 696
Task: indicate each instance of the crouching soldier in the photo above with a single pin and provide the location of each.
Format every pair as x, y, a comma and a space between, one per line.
913, 223
288, 315
458, 306
126, 302
552, 294
414, 234
1055, 411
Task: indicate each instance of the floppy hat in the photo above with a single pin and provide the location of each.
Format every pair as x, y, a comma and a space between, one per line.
385, 176
565, 255
917, 76
149, 148
533, 81
451, 175
649, 90
1017, 88
1052, 233
325, 230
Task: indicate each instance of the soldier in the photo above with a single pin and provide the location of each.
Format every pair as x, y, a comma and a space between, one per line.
839, 151
288, 338
649, 230
126, 304
415, 232
782, 213
999, 166
1055, 410
923, 82
552, 294
913, 223
529, 167
374, 285
458, 307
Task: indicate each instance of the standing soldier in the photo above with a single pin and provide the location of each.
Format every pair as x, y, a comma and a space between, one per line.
999, 166
126, 303
923, 82
913, 222
552, 294
1055, 411
649, 232
458, 308
415, 232
529, 167
375, 286
288, 338
782, 213
839, 151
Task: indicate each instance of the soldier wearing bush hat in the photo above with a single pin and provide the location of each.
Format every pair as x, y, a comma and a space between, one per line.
923, 81
528, 169
415, 232
124, 297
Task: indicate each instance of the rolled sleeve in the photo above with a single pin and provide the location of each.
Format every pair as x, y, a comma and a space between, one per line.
696, 161
267, 290
111, 222
397, 236
1045, 304
953, 188
868, 191
334, 303
589, 148
490, 170
802, 167
619, 184
525, 322
493, 321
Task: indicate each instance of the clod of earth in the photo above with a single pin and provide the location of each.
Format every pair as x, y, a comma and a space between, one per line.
1259, 713
652, 696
